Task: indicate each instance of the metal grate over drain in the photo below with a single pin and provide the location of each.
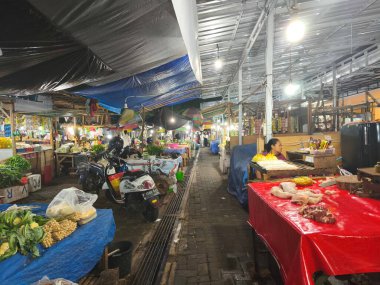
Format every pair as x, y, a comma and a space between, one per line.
156, 252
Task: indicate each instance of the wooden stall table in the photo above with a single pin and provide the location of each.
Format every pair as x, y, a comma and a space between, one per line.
63, 158
302, 246
300, 169
371, 182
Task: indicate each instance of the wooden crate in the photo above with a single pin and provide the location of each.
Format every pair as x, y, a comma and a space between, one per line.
14, 193
316, 161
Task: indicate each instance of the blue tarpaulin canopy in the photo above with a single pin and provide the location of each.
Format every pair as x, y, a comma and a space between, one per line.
169, 84
71, 258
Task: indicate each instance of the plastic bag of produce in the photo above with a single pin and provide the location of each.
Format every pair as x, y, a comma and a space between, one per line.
59, 281
72, 203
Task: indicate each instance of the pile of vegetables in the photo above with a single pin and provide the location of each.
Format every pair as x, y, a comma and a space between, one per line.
5, 143
9, 176
154, 149
98, 148
262, 157
56, 231
19, 163
20, 231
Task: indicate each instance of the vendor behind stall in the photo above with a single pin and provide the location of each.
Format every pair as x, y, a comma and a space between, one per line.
274, 147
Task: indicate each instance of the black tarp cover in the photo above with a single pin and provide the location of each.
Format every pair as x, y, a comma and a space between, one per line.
130, 36
38, 57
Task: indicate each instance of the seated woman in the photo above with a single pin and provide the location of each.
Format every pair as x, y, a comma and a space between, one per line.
274, 147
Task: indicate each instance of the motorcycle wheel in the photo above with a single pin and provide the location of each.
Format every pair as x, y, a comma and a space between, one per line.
90, 185
150, 213
162, 184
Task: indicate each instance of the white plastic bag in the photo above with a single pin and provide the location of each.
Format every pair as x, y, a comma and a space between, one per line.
69, 201
59, 281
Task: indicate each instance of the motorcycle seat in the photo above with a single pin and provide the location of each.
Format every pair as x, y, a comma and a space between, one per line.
134, 174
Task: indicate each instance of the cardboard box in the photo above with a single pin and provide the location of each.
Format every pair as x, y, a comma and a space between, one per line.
34, 182
14, 193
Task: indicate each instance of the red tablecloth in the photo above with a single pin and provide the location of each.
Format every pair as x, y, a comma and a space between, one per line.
302, 246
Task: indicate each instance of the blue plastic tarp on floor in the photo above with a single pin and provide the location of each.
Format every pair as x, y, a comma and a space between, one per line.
214, 146
241, 155
168, 84
71, 258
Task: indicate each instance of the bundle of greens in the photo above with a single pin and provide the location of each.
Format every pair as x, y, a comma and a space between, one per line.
154, 149
9, 176
18, 162
20, 231
98, 148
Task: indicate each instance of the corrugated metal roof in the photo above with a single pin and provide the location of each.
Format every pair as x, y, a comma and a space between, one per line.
335, 30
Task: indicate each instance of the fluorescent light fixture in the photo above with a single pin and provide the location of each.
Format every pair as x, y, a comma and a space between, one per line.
295, 31
218, 63
291, 89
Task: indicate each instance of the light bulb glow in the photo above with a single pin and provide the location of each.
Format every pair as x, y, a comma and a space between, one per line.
109, 136
188, 127
295, 31
291, 89
172, 120
71, 130
218, 63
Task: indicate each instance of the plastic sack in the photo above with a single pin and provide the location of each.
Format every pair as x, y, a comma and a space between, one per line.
59, 281
70, 201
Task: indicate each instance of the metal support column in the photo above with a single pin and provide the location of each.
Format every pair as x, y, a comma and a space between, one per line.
335, 101
240, 106
269, 73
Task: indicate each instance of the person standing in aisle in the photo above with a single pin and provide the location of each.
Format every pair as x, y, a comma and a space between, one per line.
126, 138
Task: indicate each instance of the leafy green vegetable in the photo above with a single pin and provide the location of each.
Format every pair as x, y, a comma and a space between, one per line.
20, 231
98, 148
18, 162
9, 176
154, 149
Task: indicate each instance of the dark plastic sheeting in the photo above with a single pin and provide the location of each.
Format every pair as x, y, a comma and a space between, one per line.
71, 258
39, 57
171, 83
241, 155
130, 36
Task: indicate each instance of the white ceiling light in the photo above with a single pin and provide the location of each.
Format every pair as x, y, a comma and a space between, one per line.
218, 61
291, 88
172, 120
295, 31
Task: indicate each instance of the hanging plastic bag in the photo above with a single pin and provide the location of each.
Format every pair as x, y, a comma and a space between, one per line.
59, 281
71, 202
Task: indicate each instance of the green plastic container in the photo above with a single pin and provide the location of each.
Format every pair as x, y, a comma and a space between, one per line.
180, 176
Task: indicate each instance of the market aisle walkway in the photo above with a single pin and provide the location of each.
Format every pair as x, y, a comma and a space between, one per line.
216, 242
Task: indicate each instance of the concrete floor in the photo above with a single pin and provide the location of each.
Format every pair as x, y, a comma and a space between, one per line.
215, 244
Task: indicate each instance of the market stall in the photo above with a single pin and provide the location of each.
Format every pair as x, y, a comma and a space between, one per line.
347, 241
67, 259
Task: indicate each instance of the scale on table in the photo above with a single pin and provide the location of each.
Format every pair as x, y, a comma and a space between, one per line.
326, 163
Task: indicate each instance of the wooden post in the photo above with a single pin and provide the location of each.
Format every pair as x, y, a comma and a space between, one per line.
13, 127
143, 124
309, 118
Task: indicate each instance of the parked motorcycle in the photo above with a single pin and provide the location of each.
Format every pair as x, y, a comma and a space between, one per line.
121, 185
163, 176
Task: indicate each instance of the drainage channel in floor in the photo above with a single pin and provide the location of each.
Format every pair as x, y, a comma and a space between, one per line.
149, 269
